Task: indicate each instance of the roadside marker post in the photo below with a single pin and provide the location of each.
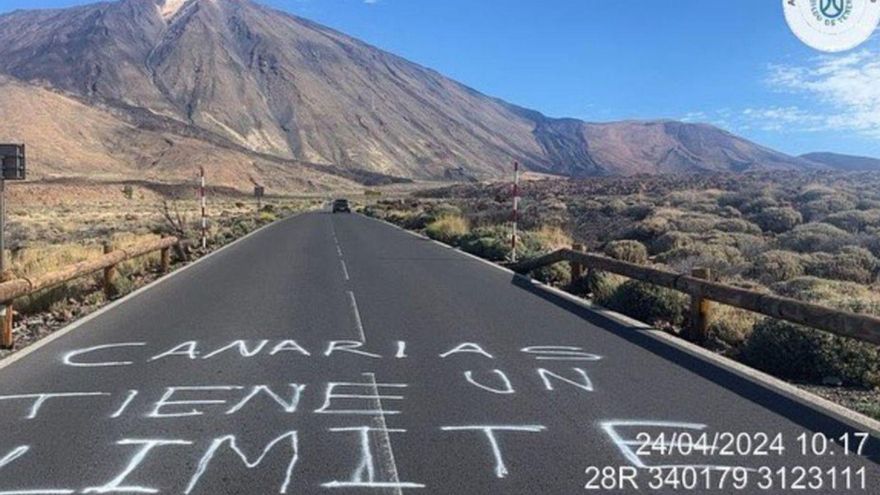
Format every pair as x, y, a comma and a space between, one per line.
577, 269
12, 159
259, 192
513, 238
203, 199
700, 308
109, 274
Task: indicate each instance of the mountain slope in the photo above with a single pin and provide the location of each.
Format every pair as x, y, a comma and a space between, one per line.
249, 76
67, 138
844, 162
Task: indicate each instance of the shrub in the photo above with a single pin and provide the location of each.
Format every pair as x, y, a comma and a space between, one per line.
815, 193
821, 208
730, 212
631, 251
839, 294
694, 224
542, 241
798, 353
752, 244
776, 266
737, 225
491, 243
813, 237
757, 205
854, 221
649, 229
549, 238
778, 220
720, 259
639, 211
729, 327
852, 264
601, 286
614, 207
449, 229
670, 241
649, 303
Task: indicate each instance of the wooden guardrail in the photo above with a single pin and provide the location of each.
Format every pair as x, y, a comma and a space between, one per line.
12, 288
702, 289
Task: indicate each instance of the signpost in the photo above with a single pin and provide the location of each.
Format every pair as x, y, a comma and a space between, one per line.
204, 207
259, 192
515, 216
12, 167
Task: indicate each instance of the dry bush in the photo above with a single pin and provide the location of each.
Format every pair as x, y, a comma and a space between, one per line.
815, 237
835, 293
854, 221
693, 223
649, 229
813, 192
776, 266
816, 210
491, 243
737, 226
729, 327
649, 303
551, 238
721, 259
799, 353
601, 286
758, 204
448, 229
853, 264
670, 241
640, 211
778, 220
630, 251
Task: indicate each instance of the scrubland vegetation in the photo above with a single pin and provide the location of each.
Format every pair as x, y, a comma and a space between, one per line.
814, 237
51, 227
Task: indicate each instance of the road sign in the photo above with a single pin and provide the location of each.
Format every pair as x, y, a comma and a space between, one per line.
12, 156
259, 192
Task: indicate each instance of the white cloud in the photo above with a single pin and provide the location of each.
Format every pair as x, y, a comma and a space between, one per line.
844, 90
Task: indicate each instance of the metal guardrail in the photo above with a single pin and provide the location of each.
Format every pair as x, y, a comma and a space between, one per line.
701, 289
15, 288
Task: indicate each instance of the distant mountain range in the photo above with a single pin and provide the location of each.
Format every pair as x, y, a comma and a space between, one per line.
153, 88
847, 163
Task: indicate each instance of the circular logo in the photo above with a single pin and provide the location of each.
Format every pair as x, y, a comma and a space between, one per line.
832, 25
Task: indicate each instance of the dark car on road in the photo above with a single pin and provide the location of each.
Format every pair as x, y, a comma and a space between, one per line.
341, 206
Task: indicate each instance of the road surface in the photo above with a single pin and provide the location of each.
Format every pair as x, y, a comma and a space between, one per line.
336, 354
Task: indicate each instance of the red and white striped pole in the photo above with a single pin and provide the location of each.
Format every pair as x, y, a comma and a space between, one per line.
515, 211
202, 197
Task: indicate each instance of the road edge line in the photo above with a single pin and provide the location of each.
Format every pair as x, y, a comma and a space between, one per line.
18, 355
777, 385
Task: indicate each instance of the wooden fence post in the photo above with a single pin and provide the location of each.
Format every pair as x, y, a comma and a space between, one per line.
7, 340
166, 259
577, 269
699, 321
109, 274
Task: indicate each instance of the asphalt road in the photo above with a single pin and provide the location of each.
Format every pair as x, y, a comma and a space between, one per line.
334, 353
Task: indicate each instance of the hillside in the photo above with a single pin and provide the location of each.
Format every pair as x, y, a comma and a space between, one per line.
67, 138
848, 163
244, 76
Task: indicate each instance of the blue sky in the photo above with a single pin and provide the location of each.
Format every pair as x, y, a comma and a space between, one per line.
731, 63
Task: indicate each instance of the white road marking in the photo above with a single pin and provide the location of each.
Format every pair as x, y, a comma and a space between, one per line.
345, 270
385, 439
357, 316
339, 251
